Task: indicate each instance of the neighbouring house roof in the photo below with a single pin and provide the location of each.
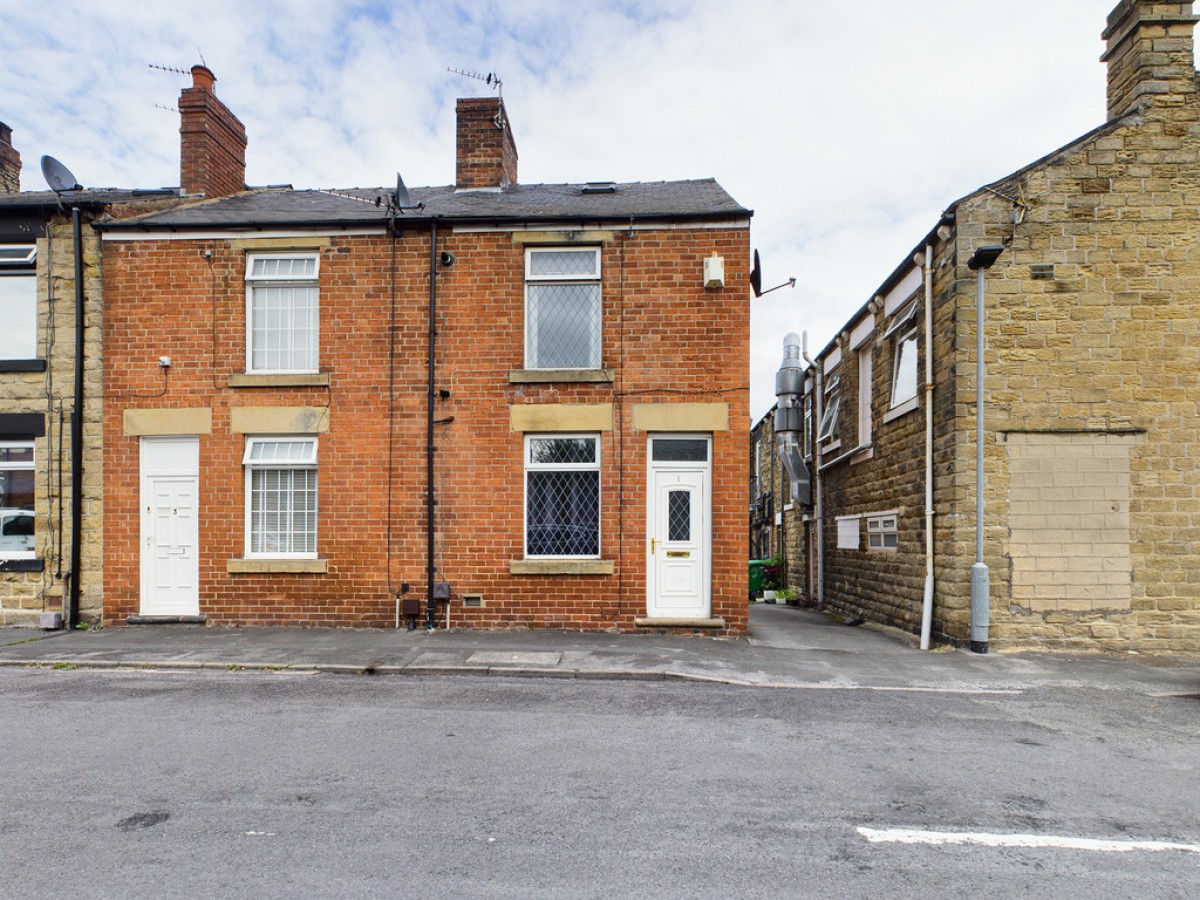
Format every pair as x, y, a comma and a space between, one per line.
285, 207
90, 198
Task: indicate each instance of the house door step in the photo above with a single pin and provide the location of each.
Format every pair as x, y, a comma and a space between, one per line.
660, 622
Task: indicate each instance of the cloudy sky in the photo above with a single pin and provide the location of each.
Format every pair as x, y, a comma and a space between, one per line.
846, 126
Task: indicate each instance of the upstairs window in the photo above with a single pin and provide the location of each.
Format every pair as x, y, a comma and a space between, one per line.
831, 416
282, 312
18, 301
562, 496
562, 308
903, 335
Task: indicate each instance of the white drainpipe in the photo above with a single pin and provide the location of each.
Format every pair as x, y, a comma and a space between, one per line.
927, 606
818, 402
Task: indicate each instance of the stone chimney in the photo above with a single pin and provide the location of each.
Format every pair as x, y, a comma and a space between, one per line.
10, 163
487, 154
1149, 55
212, 141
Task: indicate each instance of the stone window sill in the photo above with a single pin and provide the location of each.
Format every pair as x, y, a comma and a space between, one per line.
22, 365
903, 409
256, 379
277, 566
561, 567
550, 376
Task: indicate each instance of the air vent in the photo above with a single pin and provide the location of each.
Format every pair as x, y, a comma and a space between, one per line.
472, 599
1041, 271
600, 187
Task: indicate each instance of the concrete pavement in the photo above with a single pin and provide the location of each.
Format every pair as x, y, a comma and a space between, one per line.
787, 647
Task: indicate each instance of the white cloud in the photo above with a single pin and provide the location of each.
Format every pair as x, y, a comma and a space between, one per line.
846, 127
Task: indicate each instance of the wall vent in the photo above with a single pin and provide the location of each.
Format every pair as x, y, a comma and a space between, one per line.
1041, 271
472, 599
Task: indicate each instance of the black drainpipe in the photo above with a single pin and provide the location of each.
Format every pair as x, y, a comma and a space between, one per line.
77, 431
430, 603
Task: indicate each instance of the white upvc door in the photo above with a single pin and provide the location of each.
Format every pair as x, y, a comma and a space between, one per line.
679, 529
170, 501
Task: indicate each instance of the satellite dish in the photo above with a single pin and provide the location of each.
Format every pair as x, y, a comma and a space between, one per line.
402, 198
58, 176
756, 279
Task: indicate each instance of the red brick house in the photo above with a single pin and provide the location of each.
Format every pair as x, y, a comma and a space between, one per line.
532, 399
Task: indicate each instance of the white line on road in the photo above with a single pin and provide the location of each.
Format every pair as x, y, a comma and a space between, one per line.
910, 836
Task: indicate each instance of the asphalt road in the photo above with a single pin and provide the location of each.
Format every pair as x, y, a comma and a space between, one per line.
213, 784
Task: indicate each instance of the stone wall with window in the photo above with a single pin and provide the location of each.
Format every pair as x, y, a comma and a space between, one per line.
1092, 515
37, 353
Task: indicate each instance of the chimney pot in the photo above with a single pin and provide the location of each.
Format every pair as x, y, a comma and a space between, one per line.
202, 77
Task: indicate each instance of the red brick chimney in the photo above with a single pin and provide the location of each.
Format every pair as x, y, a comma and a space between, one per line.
1149, 55
213, 141
487, 154
10, 163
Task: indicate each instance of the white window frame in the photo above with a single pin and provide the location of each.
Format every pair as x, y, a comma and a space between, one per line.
253, 281
831, 411
307, 461
883, 531
21, 265
865, 393
23, 466
531, 338
849, 532
561, 467
902, 330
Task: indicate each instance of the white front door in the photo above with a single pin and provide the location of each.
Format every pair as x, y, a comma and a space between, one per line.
170, 491
679, 532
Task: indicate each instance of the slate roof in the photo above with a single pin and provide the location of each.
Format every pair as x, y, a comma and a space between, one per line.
89, 197
285, 207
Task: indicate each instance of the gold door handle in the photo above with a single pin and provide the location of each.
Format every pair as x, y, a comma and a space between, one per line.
653, 541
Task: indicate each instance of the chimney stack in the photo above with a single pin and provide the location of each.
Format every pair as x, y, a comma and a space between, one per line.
1149, 55
213, 141
487, 154
10, 163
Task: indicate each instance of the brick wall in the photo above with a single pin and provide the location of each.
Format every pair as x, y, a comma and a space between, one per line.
486, 154
665, 338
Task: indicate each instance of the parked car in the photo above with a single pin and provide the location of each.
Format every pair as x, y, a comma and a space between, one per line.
16, 530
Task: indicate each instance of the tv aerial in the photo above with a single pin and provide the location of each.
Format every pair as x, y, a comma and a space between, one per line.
58, 176
756, 279
491, 79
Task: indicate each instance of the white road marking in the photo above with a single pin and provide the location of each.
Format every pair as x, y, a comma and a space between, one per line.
911, 836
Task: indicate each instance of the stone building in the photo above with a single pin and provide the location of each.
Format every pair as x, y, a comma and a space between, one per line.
492, 403
1091, 532
42, 450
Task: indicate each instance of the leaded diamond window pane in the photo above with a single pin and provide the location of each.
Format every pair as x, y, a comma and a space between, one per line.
679, 450
562, 513
679, 516
563, 264
563, 326
548, 451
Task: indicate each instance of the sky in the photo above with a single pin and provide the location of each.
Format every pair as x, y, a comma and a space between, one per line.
846, 126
